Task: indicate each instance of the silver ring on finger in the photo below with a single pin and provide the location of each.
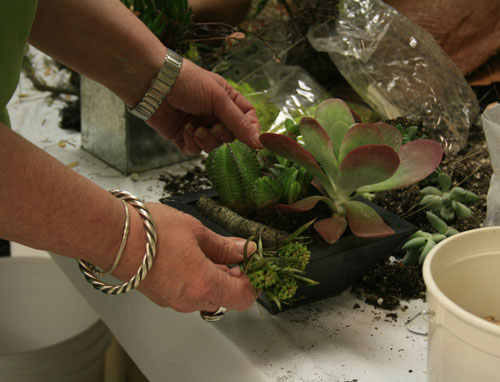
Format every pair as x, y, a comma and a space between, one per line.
213, 316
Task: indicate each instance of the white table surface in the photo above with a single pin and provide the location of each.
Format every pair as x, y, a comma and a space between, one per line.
323, 341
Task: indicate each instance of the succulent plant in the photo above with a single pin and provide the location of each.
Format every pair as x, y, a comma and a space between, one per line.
278, 272
420, 243
237, 175
348, 158
449, 203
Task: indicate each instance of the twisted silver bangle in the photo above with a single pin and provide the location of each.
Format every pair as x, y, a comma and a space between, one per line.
91, 272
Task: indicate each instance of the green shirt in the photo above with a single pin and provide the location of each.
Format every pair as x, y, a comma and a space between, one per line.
16, 18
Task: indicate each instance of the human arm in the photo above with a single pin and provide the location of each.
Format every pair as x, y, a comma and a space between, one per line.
49, 206
103, 40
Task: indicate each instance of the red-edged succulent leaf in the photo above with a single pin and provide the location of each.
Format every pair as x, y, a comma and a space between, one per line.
288, 148
418, 158
336, 118
331, 229
361, 134
305, 204
392, 136
366, 165
318, 143
333, 110
364, 221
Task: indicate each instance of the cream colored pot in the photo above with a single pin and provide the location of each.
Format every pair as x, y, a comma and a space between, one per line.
462, 275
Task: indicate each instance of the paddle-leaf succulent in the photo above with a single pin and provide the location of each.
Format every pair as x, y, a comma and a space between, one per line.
348, 158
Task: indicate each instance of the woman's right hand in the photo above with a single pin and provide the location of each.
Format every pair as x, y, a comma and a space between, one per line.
189, 272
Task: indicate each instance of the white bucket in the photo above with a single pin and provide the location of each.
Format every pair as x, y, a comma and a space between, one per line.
48, 332
462, 275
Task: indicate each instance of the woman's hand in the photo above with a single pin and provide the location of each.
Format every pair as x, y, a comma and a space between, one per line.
202, 111
189, 271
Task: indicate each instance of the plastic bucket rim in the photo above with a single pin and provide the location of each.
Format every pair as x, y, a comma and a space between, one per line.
448, 304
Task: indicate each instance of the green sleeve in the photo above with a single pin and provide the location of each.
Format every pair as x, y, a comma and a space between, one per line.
16, 18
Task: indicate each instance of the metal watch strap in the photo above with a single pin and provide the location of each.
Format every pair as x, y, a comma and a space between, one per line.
160, 87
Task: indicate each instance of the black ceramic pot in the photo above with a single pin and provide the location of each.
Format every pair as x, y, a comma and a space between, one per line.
335, 266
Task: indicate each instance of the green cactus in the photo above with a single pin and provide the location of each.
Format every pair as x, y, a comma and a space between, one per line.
449, 203
420, 243
236, 173
233, 169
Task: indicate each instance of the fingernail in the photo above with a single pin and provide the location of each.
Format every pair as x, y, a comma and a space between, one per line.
217, 130
201, 133
189, 128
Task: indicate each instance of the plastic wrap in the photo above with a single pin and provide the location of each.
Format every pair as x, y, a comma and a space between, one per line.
279, 92
491, 126
398, 69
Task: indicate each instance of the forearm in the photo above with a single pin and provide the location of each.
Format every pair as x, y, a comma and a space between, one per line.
101, 39
47, 205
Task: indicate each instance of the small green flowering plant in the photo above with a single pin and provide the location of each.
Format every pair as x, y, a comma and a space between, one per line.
278, 272
348, 158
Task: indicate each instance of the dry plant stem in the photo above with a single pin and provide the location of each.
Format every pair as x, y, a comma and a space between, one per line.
238, 225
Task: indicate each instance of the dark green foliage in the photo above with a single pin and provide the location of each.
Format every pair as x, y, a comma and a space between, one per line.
169, 20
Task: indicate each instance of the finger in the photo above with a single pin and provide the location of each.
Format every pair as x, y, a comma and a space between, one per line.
219, 132
190, 148
238, 115
224, 250
205, 140
232, 292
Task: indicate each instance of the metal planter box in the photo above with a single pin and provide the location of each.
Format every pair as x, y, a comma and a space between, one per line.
118, 138
335, 266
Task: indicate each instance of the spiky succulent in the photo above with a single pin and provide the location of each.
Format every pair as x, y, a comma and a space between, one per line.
237, 175
449, 203
346, 158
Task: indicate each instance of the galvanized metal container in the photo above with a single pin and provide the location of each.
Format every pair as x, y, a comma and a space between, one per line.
118, 138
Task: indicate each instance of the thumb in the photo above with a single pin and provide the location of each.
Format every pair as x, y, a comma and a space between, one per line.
224, 250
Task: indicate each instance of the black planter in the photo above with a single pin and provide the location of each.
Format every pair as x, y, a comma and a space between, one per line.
334, 266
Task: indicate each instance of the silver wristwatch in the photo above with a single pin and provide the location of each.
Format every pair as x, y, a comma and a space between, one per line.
160, 87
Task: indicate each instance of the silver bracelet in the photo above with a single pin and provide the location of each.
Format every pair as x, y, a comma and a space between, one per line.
126, 230
91, 272
160, 86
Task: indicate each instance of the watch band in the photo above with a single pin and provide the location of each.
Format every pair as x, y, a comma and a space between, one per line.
160, 86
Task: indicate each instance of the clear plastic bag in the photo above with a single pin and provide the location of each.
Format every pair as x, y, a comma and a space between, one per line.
491, 126
398, 69
279, 92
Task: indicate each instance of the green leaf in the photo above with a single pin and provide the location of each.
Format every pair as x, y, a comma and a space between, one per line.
358, 135
318, 143
411, 257
331, 229
364, 221
336, 118
414, 243
418, 159
366, 165
444, 181
436, 222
